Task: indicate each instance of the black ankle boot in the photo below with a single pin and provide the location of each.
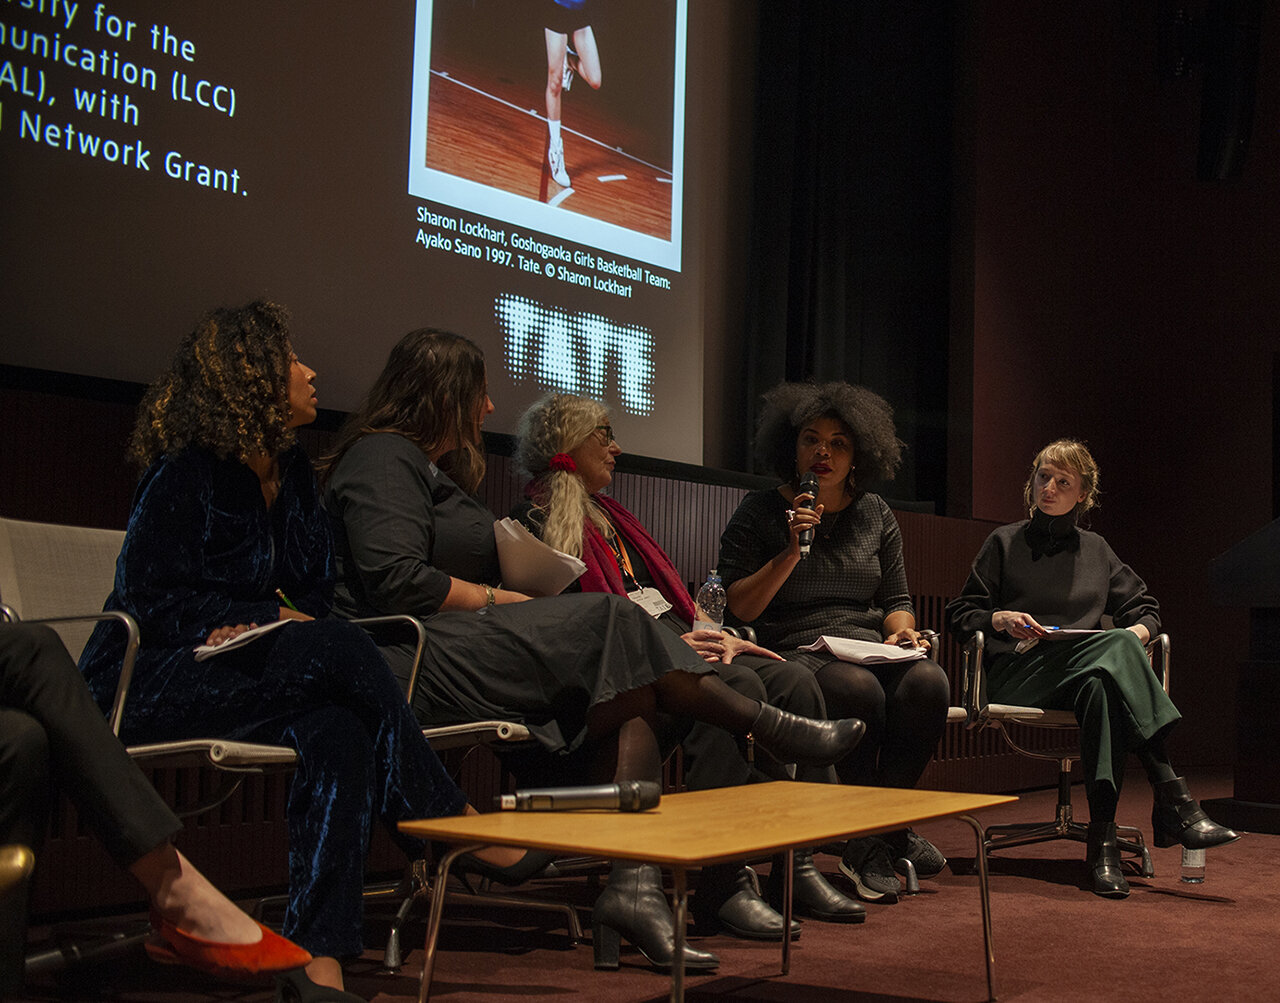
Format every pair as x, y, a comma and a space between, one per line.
634, 906
812, 894
1176, 817
790, 738
1103, 857
727, 900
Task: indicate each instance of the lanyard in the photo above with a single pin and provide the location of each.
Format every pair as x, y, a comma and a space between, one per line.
623, 558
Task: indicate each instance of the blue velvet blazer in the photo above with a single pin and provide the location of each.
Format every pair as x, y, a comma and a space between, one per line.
202, 551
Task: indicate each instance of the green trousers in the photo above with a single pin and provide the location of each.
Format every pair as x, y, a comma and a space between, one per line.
1107, 680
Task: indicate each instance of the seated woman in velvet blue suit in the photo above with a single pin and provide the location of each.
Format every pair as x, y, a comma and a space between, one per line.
227, 532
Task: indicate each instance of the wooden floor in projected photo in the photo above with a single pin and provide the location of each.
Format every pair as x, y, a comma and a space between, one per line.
490, 131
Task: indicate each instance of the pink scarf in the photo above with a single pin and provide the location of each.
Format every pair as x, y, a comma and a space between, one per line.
602, 574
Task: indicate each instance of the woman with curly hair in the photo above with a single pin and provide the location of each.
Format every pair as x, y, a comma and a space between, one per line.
566, 445
588, 674
227, 532
1048, 569
852, 584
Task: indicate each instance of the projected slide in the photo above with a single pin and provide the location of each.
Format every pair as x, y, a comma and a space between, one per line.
373, 167
488, 80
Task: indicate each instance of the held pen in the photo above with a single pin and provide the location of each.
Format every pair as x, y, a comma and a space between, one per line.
925, 635
284, 599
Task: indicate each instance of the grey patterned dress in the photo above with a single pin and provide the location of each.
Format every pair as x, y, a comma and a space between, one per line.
852, 579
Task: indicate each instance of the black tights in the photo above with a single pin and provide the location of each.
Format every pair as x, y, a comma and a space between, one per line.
631, 717
905, 707
1103, 797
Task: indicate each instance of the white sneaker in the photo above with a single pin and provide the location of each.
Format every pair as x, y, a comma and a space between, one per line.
555, 160
566, 80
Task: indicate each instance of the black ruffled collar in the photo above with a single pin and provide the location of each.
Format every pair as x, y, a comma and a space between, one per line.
1049, 534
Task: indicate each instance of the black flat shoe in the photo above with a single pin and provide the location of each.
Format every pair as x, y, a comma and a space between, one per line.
1176, 817
633, 906
812, 895
535, 863
727, 900
295, 987
1106, 876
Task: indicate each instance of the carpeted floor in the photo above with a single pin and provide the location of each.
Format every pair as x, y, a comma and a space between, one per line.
1053, 940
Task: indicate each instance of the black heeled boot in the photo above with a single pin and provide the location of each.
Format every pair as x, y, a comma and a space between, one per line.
812, 894
1176, 817
790, 738
634, 906
727, 900
1103, 857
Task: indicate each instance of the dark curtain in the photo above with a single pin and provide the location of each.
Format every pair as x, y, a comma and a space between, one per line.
852, 210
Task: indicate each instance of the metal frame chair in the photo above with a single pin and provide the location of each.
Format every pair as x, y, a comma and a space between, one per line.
1008, 719
52, 572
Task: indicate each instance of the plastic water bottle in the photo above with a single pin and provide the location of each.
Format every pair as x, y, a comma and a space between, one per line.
1192, 866
708, 609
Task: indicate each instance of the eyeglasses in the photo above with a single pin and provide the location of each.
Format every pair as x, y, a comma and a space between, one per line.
605, 434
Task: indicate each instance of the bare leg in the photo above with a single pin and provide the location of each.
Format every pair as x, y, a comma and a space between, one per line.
557, 46
186, 898
587, 64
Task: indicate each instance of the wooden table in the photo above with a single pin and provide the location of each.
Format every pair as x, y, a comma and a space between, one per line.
698, 828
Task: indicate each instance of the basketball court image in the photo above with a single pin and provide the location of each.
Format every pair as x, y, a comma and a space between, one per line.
486, 114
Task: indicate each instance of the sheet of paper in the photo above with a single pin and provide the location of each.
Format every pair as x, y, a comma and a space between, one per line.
863, 652
248, 637
529, 565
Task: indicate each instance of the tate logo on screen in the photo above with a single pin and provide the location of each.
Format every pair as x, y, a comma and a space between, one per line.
576, 352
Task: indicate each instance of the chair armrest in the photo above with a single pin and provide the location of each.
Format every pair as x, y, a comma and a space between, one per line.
975, 687
420, 639
410, 623
132, 638
1158, 652
744, 632
453, 736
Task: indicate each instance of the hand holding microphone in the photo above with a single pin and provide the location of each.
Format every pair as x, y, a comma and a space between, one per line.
808, 486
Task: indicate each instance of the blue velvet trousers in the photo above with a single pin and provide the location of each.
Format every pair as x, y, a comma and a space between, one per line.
323, 689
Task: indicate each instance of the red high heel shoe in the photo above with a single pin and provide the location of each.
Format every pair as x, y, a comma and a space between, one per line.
271, 954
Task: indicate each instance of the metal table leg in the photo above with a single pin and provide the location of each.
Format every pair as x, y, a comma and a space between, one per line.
433, 918
680, 916
985, 891
787, 879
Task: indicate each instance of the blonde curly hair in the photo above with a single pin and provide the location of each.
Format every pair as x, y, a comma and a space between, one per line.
559, 423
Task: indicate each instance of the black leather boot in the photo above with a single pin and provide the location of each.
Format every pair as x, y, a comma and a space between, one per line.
633, 906
1176, 817
1103, 857
727, 900
789, 738
812, 894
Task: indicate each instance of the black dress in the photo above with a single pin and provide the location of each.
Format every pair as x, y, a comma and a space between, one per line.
403, 529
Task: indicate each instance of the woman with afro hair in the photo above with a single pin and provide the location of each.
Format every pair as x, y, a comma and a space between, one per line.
852, 584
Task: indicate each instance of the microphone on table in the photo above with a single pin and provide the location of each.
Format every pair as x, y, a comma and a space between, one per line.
808, 486
626, 795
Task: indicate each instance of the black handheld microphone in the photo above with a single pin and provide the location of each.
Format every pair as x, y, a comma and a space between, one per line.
808, 486
626, 795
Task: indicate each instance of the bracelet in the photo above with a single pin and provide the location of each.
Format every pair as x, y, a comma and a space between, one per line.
489, 597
